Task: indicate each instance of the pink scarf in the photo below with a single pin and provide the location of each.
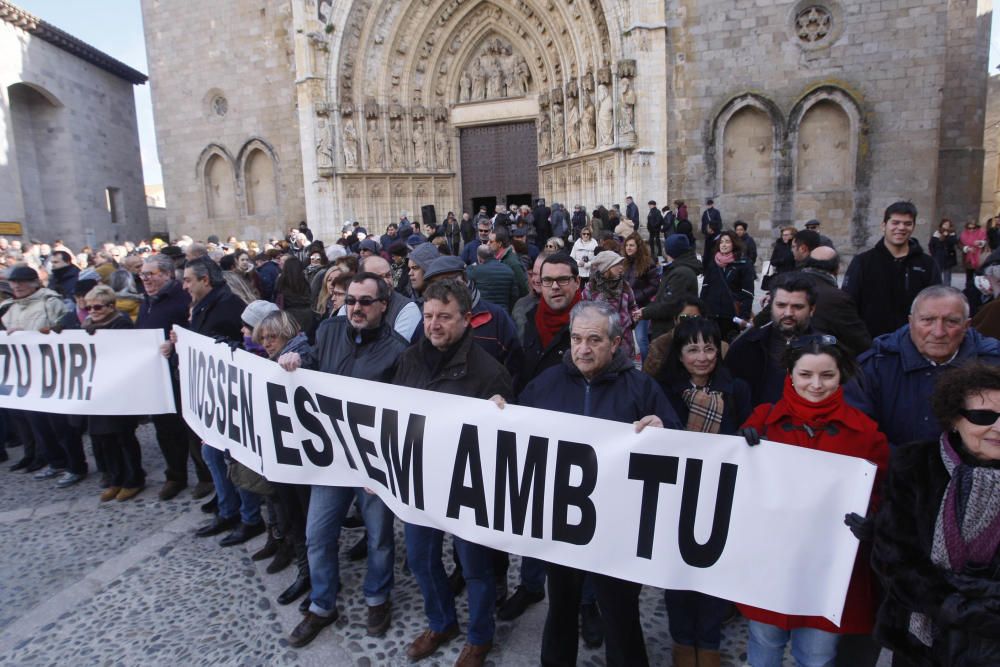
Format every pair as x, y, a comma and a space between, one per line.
724, 260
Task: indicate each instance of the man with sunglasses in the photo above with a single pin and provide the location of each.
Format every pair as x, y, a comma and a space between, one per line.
360, 345
899, 372
483, 229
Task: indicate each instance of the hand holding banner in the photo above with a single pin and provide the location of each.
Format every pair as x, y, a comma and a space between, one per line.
667, 508
74, 372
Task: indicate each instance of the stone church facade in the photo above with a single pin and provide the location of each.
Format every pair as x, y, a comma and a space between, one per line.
781, 110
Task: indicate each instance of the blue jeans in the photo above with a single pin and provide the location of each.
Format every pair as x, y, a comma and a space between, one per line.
328, 507
810, 647
642, 337
423, 552
695, 618
533, 574
232, 500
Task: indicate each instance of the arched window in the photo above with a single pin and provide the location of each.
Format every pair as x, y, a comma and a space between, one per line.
748, 153
824, 149
220, 191
258, 173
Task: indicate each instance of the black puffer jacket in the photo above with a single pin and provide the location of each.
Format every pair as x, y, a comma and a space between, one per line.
371, 354
219, 314
464, 370
164, 309
964, 607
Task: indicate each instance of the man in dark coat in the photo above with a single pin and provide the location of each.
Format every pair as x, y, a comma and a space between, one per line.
541, 212
165, 305
64, 275
710, 218
884, 280
835, 313
654, 224
680, 279
495, 280
447, 360
467, 227
899, 371
596, 379
632, 212
483, 230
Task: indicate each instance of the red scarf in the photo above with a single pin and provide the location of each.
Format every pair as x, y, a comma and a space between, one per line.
549, 322
814, 414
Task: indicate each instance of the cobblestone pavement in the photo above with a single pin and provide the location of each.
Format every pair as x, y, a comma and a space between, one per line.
90, 583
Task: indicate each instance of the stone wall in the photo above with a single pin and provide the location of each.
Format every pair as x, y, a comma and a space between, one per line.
222, 76
69, 146
991, 144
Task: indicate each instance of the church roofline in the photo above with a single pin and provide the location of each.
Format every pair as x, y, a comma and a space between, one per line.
33, 25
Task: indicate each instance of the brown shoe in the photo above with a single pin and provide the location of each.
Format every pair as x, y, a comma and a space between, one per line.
379, 617
429, 641
170, 489
110, 493
309, 627
202, 489
473, 655
128, 492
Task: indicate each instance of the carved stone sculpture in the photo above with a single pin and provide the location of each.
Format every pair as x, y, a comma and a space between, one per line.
465, 88
396, 157
478, 81
350, 143
558, 133
588, 121
442, 147
572, 126
494, 81
521, 76
419, 146
324, 149
544, 137
605, 116
626, 122
376, 148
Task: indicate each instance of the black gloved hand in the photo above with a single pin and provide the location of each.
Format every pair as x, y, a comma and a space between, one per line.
751, 435
229, 342
862, 527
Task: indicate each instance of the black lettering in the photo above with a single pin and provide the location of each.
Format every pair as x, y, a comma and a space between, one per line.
334, 410
324, 455
62, 372
705, 555
220, 412
77, 370
473, 496
5, 386
568, 456
50, 372
210, 392
532, 482
281, 424
23, 381
652, 470
193, 403
412, 458
232, 406
246, 413
92, 366
359, 414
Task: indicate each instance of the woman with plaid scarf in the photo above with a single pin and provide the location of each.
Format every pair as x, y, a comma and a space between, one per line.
707, 399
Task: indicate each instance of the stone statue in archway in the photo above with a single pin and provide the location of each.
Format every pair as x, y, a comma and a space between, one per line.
572, 126
376, 148
350, 143
324, 149
587, 122
605, 116
478, 81
396, 157
442, 147
544, 137
626, 123
558, 131
494, 80
521, 76
419, 145
465, 88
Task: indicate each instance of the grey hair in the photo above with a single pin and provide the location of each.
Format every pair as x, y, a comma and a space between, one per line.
162, 263
278, 323
992, 271
585, 308
940, 292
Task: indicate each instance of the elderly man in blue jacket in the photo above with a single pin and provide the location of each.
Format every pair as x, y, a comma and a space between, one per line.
597, 379
898, 373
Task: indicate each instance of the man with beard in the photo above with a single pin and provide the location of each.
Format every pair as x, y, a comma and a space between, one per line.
756, 356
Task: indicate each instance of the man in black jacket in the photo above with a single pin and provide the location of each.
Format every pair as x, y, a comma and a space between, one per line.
711, 222
216, 313
654, 224
361, 345
884, 280
448, 361
164, 306
835, 313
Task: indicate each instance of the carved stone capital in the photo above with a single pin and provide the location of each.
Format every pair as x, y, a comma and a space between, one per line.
626, 68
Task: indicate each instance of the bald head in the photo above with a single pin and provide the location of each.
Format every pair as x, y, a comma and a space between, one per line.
379, 266
823, 258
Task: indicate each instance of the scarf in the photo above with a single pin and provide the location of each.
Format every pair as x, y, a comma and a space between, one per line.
813, 414
724, 260
967, 529
610, 288
705, 409
549, 322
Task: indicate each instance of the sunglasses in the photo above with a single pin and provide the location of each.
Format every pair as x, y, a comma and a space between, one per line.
980, 417
824, 340
364, 301
98, 307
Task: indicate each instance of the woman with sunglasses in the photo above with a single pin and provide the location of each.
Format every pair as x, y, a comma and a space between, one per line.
584, 249
112, 438
812, 413
937, 532
708, 400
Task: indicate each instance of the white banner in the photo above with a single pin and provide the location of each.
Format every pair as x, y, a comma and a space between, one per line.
117, 372
762, 525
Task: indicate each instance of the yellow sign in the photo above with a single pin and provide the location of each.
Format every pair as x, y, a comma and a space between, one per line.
11, 229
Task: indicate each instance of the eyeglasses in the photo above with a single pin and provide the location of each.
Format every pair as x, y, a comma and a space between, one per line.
484, 231
584, 233
687, 316
550, 246
824, 340
338, 295
980, 417
146, 275
269, 337
364, 301
562, 281
95, 307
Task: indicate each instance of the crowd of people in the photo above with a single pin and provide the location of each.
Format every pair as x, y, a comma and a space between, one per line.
599, 314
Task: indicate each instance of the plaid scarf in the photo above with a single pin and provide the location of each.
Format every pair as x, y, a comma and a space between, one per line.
704, 409
967, 529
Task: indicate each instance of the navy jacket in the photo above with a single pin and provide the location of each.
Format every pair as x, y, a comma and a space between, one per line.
494, 331
166, 308
896, 383
620, 393
469, 252
219, 314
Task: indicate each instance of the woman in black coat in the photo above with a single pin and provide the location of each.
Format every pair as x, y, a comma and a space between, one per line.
707, 400
938, 530
782, 259
728, 286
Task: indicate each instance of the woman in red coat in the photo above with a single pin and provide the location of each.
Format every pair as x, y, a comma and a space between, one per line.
812, 413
